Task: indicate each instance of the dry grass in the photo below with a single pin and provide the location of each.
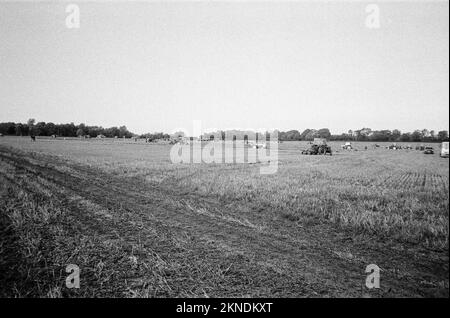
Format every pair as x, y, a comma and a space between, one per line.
394, 194
388, 197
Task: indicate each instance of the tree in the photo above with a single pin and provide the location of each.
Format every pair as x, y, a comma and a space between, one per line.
363, 134
83, 129
351, 134
324, 133
123, 132
94, 131
395, 135
51, 129
405, 137
366, 132
292, 135
40, 129
30, 124
443, 135
80, 132
381, 135
310, 134
8, 128
304, 134
21, 129
416, 136
433, 134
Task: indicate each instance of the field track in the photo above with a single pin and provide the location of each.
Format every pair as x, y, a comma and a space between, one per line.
201, 247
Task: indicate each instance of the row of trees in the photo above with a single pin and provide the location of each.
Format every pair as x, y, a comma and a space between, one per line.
364, 134
64, 130
367, 134
307, 134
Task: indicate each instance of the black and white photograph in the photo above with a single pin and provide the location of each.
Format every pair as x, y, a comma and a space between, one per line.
224, 155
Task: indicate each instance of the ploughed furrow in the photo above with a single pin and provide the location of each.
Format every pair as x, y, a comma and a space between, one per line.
277, 267
193, 269
198, 242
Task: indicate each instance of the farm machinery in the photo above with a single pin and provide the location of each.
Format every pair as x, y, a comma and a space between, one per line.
394, 146
319, 147
347, 146
429, 151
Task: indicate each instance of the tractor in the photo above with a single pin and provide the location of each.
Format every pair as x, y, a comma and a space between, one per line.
318, 150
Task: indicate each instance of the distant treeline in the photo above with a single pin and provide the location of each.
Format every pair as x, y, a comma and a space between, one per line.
63, 130
364, 134
155, 136
367, 134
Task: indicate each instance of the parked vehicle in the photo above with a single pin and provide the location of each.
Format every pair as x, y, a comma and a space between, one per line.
428, 150
444, 149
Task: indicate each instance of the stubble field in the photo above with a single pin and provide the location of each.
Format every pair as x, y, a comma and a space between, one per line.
139, 226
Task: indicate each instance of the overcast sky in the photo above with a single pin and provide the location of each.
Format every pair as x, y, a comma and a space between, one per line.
293, 65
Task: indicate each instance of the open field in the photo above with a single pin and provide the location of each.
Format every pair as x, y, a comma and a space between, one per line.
139, 226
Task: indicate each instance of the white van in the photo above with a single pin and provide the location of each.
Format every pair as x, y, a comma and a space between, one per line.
444, 149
